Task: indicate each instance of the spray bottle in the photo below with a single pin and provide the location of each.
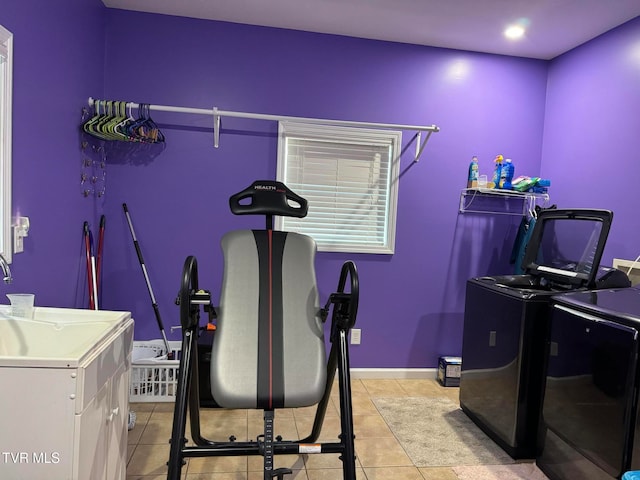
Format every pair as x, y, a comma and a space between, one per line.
472, 179
497, 172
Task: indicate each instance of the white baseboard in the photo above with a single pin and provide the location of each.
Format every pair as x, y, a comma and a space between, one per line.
373, 373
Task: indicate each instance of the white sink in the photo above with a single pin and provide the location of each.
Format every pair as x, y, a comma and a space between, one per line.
55, 336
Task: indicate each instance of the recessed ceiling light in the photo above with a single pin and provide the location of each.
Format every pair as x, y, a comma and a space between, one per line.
517, 29
514, 32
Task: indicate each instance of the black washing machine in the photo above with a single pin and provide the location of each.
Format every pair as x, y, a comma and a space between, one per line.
506, 324
589, 425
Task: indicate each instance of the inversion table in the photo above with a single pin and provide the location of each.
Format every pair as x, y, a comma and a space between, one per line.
268, 350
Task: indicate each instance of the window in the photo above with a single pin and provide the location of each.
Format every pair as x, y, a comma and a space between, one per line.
349, 177
6, 63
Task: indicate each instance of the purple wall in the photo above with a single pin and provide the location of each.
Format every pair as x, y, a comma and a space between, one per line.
58, 63
592, 132
583, 105
411, 302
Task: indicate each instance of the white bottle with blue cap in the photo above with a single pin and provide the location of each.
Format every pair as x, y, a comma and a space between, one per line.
472, 179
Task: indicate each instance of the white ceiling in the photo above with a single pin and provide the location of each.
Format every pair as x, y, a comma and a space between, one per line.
555, 26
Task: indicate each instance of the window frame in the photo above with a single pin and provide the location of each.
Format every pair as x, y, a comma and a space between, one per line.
343, 135
6, 96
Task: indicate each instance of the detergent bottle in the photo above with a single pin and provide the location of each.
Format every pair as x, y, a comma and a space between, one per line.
472, 179
507, 174
497, 172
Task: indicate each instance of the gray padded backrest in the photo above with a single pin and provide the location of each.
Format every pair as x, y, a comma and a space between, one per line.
268, 350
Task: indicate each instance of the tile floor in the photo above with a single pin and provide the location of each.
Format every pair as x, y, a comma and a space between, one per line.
379, 455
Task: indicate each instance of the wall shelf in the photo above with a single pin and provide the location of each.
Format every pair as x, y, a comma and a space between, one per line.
500, 202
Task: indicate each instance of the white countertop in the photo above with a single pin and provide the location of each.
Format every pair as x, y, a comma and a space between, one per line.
55, 337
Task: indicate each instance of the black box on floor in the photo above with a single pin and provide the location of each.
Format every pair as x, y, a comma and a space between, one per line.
205, 342
449, 371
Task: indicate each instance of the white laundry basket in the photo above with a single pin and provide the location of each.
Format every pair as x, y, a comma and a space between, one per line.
153, 377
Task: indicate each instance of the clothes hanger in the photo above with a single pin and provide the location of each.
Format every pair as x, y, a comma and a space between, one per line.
91, 125
100, 126
156, 134
136, 129
109, 123
119, 121
124, 126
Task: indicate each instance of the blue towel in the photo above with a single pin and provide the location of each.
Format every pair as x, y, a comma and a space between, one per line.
635, 475
520, 245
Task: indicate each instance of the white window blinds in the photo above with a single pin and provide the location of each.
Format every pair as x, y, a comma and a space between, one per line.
349, 177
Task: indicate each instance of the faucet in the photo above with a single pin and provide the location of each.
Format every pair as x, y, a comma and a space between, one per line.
6, 271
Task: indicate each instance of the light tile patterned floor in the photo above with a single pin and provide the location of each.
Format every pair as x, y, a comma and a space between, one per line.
379, 455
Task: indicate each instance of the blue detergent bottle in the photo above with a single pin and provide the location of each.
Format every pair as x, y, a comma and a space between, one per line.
507, 174
472, 179
497, 172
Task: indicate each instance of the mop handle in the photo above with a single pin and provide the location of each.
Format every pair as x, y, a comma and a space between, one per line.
139, 253
94, 278
87, 247
146, 278
99, 257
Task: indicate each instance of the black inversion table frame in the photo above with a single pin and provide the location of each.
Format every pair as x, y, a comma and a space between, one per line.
342, 305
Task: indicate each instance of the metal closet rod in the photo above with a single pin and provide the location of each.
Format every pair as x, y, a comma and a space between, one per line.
217, 114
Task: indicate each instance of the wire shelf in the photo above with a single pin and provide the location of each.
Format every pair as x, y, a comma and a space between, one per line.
500, 202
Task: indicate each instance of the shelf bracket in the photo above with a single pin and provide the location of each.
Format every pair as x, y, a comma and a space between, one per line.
420, 145
216, 127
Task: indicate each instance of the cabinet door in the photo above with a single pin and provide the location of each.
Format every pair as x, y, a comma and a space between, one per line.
118, 419
91, 433
36, 423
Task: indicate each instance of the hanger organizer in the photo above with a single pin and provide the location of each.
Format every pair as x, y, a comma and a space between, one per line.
113, 120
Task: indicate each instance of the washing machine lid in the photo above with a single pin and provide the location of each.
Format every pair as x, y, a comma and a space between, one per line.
618, 304
566, 245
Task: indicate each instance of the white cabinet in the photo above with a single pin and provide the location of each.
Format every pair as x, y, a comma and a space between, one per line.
68, 420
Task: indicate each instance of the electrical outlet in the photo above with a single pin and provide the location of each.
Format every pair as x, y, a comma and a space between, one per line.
18, 241
20, 230
355, 336
630, 267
